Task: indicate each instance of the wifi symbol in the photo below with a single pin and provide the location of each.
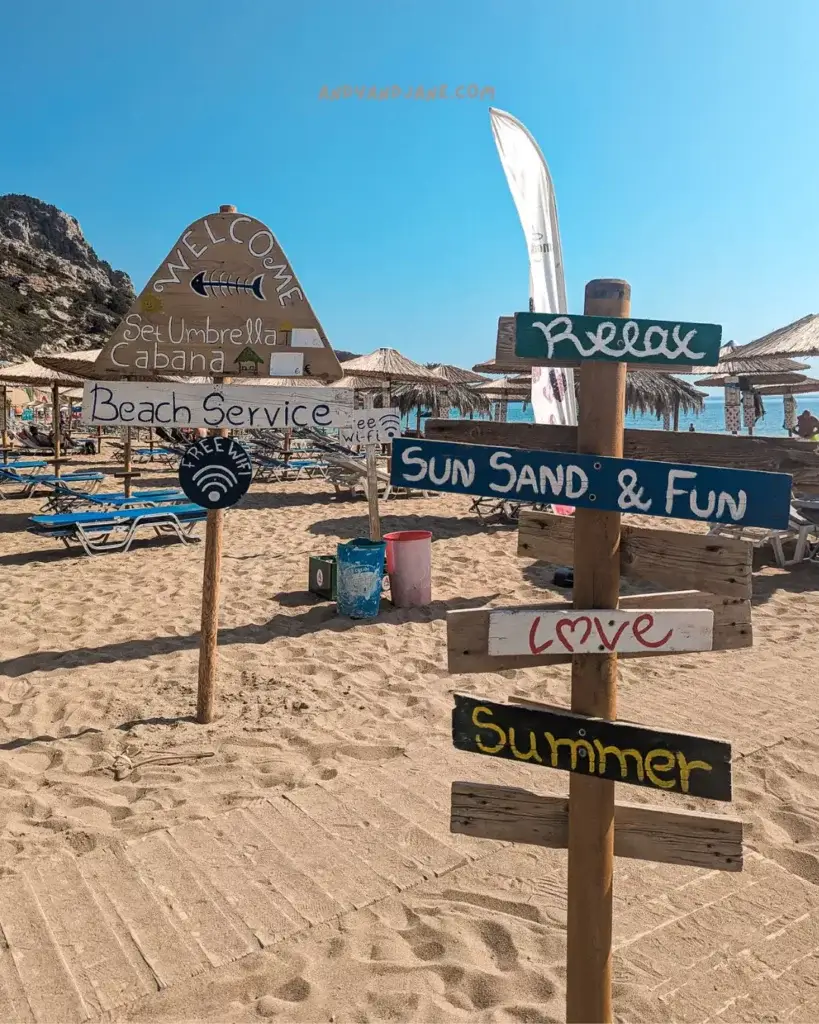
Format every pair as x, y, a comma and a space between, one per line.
391, 424
215, 481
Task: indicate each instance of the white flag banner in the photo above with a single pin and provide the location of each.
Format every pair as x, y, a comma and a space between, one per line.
553, 399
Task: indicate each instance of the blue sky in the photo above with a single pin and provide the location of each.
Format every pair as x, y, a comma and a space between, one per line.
681, 135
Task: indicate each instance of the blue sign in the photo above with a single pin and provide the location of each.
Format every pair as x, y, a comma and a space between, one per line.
706, 494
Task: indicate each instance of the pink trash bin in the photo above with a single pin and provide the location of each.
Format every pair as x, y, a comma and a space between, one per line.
409, 565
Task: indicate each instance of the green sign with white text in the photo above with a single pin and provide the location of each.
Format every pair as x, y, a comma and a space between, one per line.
565, 340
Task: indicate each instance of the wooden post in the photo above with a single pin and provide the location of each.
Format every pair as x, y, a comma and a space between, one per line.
5, 428
55, 418
594, 686
372, 481
127, 462
211, 580
676, 414
99, 440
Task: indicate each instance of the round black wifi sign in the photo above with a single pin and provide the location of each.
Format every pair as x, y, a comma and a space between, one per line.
215, 472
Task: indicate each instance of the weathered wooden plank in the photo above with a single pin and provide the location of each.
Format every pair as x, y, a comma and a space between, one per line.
168, 952
105, 976
717, 565
507, 362
593, 747
467, 630
800, 459
50, 989
195, 906
560, 339
269, 916
641, 833
532, 631
736, 497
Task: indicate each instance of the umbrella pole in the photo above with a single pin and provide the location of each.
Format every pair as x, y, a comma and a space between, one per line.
372, 481
55, 423
126, 455
676, 415
5, 429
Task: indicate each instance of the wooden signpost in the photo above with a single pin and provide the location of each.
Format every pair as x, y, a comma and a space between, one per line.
587, 470
224, 302
372, 427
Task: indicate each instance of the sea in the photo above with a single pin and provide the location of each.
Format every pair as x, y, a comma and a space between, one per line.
711, 420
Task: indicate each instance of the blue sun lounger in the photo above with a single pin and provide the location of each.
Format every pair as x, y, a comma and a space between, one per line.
31, 481
16, 464
67, 499
102, 532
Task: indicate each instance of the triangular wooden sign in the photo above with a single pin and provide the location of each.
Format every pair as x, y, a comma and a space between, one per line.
225, 302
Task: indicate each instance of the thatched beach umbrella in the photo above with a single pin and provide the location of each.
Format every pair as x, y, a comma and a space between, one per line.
388, 364
419, 396
457, 375
31, 374
801, 338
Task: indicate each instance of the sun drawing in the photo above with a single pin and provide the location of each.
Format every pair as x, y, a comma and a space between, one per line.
151, 304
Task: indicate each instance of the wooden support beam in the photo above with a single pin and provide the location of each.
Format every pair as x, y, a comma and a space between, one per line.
467, 630
768, 454
715, 564
640, 833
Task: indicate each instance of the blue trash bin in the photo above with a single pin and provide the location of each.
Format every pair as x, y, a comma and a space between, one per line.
359, 573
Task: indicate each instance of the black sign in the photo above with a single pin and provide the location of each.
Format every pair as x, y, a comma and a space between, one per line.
608, 750
215, 472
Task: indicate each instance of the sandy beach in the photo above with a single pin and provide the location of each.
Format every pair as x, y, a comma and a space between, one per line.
99, 756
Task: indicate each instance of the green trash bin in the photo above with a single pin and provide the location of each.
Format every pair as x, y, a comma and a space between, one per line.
322, 576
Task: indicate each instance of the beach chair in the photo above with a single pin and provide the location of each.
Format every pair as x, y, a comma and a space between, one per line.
30, 482
107, 532
68, 499
803, 530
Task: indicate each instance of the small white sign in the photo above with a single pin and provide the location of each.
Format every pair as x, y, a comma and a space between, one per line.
538, 631
372, 426
305, 337
238, 406
287, 364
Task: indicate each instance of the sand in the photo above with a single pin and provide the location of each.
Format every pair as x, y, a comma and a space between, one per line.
98, 673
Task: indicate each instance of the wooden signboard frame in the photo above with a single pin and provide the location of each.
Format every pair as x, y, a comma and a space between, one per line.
575, 740
225, 301
560, 340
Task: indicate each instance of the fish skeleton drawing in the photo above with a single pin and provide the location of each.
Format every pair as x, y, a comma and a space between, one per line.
225, 286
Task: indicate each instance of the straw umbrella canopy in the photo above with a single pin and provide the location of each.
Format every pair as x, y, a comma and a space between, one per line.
388, 364
801, 338
661, 394
457, 375
806, 387
749, 379
80, 364
419, 396
33, 375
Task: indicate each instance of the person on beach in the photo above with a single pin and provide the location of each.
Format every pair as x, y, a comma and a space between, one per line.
807, 426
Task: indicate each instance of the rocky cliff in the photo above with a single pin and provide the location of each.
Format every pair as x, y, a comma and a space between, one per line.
56, 294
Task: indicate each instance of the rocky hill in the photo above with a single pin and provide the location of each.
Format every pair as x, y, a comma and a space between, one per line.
56, 294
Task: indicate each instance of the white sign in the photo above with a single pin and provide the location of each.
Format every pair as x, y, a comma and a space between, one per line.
372, 426
538, 630
237, 406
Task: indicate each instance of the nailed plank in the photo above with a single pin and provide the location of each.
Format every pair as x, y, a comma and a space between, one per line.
717, 565
348, 881
50, 989
592, 747
268, 915
560, 339
640, 832
508, 362
800, 459
394, 828
352, 830
168, 952
735, 497
105, 976
532, 631
467, 630
14, 1005
193, 905
278, 871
